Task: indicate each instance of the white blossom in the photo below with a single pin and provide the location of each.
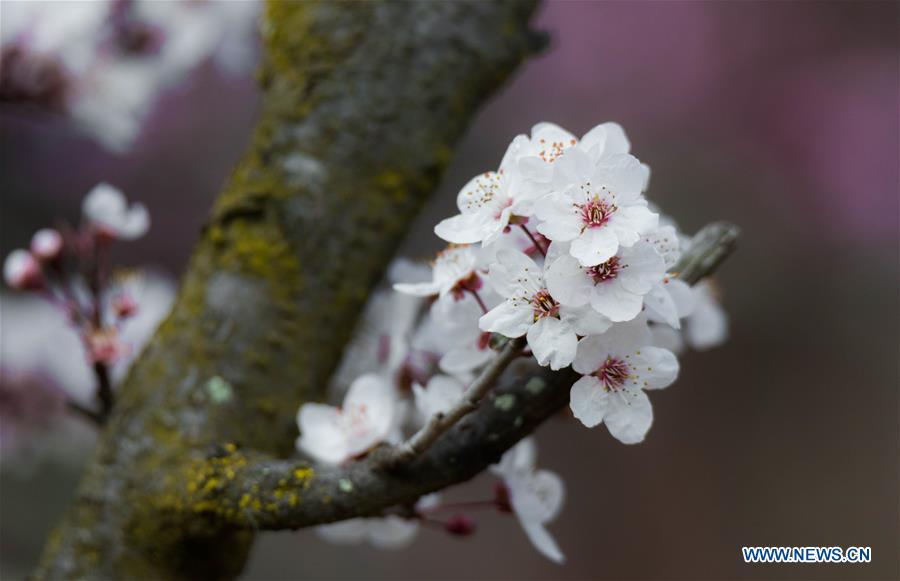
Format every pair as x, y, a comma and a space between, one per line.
333, 435
615, 288
453, 271
617, 367
106, 208
598, 207
486, 205
531, 158
440, 395
529, 309
536, 496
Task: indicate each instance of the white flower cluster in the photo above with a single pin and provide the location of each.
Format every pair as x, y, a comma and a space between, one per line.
558, 245
105, 62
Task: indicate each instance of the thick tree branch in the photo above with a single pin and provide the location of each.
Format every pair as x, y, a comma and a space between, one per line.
254, 491
363, 102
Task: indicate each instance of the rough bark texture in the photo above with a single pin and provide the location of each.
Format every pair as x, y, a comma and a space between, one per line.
363, 103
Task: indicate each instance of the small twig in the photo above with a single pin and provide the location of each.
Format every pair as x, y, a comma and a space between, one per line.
440, 423
104, 389
85, 412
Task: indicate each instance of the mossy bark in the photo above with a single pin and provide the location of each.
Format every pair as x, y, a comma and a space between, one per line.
363, 102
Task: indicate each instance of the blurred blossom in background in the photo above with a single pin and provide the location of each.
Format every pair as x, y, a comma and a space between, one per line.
780, 117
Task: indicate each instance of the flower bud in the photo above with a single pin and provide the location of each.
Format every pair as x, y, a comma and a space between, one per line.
46, 244
461, 525
124, 306
22, 272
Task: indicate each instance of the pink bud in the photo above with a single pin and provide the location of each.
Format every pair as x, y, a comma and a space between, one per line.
46, 244
22, 272
124, 306
461, 525
106, 347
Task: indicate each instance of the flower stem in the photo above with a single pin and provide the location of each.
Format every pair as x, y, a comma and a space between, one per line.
104, 388
533, 240
85, 412
478, 298
440, 423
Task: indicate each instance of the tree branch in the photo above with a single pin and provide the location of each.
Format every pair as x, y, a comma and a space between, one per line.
259, 492
363, 102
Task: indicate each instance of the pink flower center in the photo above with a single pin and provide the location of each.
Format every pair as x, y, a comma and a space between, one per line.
606, 271
596, 212
612, 374
544, 305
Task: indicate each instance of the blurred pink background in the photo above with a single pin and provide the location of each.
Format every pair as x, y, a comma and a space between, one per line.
780, 117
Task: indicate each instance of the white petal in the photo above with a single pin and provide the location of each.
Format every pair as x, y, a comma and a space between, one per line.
534, 168
551, 132
561, 218
441, 394
136, 222
513, 272
321, 433
661, 307
605, 139
418, 289
595, 246
585, 320
573, 167
682, 295
622, 174
589, 400
464, 359
518, 460
629, 417
104, 204
631, 222
666, 337
346, 532
642, 268
612, 300
707, 327
463, 228
392, 532
537, 496
657, 368
665, 240
568, 282
371, 404
508, 320
543, 541
553, 342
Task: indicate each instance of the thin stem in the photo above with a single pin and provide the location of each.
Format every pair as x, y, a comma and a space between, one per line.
85, 412
440, 423
478, 298
533, 240
104, 388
